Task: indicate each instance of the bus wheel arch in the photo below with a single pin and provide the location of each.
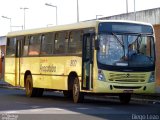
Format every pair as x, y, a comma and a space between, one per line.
74, 87
71, 77
30, 90
78, 97
29, 84
68, 93
25, 76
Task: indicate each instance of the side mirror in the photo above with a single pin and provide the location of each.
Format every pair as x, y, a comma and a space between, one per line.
97, 44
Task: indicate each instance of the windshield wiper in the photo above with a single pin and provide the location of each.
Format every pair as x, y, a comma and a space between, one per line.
118, 39
138, 42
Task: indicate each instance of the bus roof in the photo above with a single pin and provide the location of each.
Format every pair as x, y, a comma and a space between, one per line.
54, 28
80, 25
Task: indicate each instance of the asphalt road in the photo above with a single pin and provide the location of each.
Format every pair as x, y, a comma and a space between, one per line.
14, 105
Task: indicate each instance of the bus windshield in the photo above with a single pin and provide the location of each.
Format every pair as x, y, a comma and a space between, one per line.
133, 50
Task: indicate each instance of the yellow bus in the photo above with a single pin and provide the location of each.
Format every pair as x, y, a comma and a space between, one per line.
101, 57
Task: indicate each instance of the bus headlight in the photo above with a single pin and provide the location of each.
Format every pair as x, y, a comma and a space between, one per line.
101, 76
152, 77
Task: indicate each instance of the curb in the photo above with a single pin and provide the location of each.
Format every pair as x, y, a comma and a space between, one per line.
8, 86
151, 99
116, 99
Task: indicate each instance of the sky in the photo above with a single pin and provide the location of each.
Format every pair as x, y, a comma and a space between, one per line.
39, 15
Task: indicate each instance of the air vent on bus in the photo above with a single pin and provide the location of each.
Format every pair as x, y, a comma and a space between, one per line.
127, 87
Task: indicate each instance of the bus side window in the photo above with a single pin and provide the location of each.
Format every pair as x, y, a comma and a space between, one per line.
47, 44
56, 43
66, 41
34, 45
25, 47
75, 42
19, 46
11, 47
79, 37
59, 43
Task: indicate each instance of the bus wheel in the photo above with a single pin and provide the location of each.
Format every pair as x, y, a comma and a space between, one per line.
30, 91
125, 98
78, 96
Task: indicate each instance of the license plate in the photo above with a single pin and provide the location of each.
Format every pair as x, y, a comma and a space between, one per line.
127, 91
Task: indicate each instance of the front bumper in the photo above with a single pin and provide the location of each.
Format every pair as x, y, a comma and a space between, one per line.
106, 87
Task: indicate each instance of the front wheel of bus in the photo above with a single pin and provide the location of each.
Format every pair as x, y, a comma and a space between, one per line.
78, 96
30, 91
125, 98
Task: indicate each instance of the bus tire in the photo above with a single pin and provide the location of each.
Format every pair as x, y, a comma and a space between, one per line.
30, 91
78, 96
125, 98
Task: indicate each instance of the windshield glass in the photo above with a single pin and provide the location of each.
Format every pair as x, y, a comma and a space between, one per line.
134, 50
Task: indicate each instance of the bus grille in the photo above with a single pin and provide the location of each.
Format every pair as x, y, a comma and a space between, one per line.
127, 77
127, 87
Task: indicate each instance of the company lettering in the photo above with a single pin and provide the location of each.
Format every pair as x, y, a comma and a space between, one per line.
49, 68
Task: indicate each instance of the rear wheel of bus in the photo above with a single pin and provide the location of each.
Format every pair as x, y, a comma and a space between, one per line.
125, 98
30, 91
78, 96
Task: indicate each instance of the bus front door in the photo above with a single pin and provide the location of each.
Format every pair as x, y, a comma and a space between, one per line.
87, 62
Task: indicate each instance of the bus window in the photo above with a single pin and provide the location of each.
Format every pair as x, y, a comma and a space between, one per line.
146, 46
59, 43
34, 45
25, 47
47, 44
66, 41
11, 47
75, 43
56, 43
19, 47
